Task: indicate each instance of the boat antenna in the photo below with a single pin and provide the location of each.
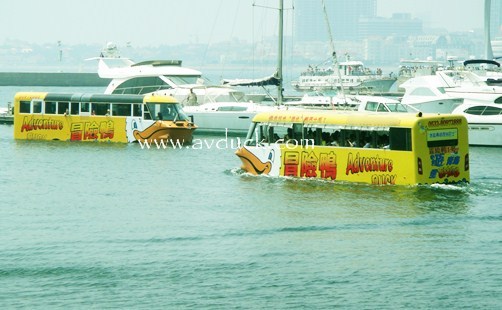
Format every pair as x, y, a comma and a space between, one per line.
333, 52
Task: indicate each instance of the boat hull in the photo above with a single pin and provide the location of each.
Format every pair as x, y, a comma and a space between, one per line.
483, 134
222, 121
368, 85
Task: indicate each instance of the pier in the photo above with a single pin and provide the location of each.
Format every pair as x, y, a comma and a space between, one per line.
88, 79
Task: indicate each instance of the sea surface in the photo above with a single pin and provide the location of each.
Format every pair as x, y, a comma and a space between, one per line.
99, 225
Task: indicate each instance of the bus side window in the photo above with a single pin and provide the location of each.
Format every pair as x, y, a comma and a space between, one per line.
74, 108
121, 109
146, 112
62, 107
318, 136
297, 132
24, 107
252, 135
270, 134
100, 108
262, 133
400, 139
50, 107
85, 107
37, 106
136, 110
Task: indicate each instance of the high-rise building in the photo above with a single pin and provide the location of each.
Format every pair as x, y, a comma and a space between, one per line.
496, 19
343, 16
398, 25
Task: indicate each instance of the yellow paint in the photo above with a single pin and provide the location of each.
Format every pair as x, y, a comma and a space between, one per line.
427, 162
70, 128
103, 128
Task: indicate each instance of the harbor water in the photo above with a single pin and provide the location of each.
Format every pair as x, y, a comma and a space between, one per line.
100, 225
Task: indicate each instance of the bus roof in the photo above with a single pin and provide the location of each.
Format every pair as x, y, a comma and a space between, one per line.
98, 98
348, 118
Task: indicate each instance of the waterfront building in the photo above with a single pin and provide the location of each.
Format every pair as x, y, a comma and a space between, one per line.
344, 16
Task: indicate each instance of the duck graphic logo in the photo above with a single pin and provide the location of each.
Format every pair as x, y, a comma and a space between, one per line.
253, 163
154, 131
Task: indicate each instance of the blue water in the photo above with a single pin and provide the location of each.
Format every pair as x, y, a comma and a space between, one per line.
114, 226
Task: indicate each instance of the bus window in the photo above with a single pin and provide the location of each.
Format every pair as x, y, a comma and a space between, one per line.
24, 107
100, 108
280, 133
263, 133
318, 137
146, 112
166, 112
400, 139
37, 106
74, 108
298, 132
136, 110
383, 140
251, 136
121, 109
50, 107
85, 107
62, 107
258, 134
270, 134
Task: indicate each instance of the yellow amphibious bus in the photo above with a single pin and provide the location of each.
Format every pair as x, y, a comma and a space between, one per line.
99, 117
365, 147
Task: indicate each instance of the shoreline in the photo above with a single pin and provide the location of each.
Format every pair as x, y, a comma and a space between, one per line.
52, 79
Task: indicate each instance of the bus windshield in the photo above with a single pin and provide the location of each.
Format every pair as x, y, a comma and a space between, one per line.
167, 112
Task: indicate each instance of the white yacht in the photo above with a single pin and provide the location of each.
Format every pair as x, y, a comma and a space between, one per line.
336, 101
411, 68
6, 116
488, 70
354, 76
215, 108
481, 105
167, 76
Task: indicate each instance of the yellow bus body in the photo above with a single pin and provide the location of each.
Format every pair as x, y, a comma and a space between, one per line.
434, 150
53, 124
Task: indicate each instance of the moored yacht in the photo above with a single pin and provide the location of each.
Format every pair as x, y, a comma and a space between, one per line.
330, 101
481, 105
354, 76
214, 108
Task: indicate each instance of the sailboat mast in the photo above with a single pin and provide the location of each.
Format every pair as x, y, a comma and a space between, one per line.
488, 41
279, 52
333, 51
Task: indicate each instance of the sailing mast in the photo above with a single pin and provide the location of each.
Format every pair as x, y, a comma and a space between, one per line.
488, 41
279, 53
335, 59
278, 81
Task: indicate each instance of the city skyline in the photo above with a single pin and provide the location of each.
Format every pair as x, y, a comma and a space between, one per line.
157, 22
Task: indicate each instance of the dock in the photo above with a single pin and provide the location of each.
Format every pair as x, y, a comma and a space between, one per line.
83, 79
7, 119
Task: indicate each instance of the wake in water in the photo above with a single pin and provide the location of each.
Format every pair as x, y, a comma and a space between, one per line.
243, 173
450, 187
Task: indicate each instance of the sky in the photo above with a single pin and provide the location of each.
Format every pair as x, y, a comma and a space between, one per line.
171, 22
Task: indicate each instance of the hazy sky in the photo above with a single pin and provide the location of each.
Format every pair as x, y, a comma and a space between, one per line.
166, 22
